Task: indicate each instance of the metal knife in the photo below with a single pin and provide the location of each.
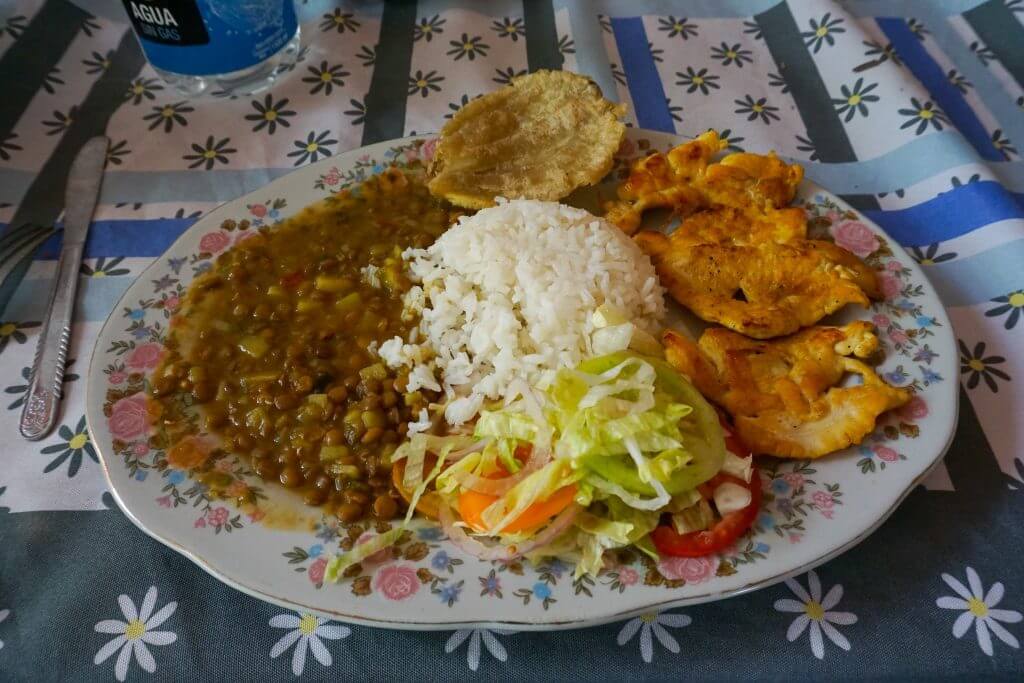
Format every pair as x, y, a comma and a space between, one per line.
46, 380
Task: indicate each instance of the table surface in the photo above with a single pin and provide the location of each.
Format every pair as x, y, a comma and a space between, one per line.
914, 112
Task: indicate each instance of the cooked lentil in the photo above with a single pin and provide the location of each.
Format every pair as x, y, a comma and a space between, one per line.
274, 344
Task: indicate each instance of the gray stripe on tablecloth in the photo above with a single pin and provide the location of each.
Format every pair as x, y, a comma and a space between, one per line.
385, 102
897, 569
44, 199
541, 35
824, 129
1000, 31
33, 55
491, 8
808, 90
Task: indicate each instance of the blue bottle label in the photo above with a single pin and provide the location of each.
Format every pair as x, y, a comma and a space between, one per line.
206, 37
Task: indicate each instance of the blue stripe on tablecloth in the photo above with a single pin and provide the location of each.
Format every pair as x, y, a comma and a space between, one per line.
933, 77
591, 53
123, 238
649, 102
961, 282
951, 214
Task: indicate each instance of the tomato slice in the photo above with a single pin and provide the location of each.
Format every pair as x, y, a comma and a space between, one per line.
726, 530
721, 535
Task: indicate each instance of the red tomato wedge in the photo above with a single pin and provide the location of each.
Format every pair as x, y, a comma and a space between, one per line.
726, 530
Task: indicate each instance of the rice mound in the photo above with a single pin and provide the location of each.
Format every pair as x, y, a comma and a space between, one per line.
509, 293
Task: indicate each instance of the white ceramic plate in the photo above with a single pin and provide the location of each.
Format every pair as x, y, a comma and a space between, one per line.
813, 510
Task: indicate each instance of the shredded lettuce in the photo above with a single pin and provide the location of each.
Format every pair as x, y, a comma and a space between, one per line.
632, 435
337, 565
537, 486
414, 451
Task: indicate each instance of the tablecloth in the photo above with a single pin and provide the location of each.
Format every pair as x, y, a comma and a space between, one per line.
913, 111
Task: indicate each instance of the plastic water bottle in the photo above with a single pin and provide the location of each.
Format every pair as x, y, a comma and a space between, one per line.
224, 46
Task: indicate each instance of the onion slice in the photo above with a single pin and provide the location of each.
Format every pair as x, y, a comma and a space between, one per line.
499, 487
485, 551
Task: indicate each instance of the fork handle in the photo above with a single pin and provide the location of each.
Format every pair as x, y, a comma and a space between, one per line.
47, 377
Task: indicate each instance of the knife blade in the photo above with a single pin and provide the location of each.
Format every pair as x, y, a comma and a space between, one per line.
47, 377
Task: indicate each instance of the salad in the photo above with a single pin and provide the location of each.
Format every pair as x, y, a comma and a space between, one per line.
618, 452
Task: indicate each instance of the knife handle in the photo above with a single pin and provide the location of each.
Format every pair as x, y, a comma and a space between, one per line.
46, 380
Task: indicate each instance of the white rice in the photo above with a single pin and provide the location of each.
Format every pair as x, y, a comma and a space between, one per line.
509, 293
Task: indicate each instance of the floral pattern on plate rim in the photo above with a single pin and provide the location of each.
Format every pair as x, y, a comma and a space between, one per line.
224, 496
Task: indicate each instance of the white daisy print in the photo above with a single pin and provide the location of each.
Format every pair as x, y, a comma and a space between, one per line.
978, 607
307, 630
476, 636
4, 613
815, 611
135, 633
653, 622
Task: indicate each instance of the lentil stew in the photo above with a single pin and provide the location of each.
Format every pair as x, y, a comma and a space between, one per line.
275, 346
